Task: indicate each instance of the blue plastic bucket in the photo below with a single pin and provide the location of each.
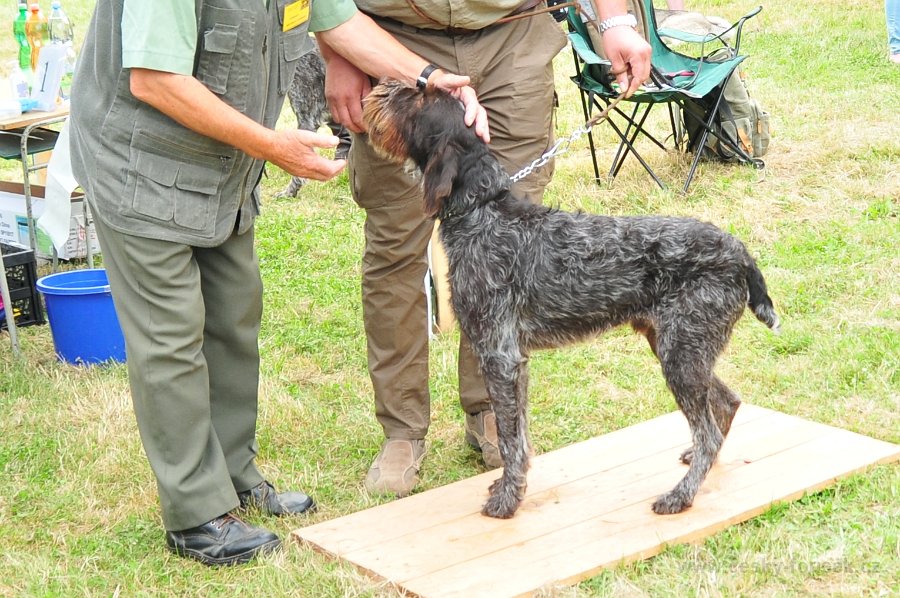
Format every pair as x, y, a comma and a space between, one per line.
82, 317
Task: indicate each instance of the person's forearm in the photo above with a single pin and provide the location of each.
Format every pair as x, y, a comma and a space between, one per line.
191, 104
380, 56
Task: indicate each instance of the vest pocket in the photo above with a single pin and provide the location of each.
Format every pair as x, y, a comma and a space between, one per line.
224, 60
215, 59
175, 191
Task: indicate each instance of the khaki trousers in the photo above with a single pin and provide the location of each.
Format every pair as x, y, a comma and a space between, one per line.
511, 69
190, 317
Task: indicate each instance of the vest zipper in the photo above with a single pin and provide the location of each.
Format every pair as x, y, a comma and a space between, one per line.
265, 103
181, 149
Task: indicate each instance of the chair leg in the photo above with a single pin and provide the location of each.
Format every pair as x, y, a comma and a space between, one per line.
707, 131
634, 152
638, 129
586, 110
675, 123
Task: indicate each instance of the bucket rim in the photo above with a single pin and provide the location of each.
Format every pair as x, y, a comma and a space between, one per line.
45, 284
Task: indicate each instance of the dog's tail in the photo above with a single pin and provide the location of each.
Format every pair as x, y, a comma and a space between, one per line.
759, 299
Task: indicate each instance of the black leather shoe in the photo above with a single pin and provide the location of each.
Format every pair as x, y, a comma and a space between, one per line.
225, 540
264, 498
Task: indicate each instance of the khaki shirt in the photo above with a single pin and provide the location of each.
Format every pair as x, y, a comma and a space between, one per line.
443, 13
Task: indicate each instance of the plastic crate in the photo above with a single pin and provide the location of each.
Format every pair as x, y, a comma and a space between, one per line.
21, 276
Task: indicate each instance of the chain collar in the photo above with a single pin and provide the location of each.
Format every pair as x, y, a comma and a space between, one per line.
562, 145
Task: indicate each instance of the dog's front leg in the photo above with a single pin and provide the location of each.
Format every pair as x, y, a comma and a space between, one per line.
506, 378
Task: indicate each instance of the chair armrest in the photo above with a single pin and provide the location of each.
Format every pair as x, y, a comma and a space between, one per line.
739, 25
584, 51
696, 38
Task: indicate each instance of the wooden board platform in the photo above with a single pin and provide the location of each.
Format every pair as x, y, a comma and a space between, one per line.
588, 506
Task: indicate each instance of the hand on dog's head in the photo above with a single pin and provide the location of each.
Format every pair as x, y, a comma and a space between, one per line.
424, 126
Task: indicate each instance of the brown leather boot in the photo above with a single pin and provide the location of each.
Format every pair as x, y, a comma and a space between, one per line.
481, 434
396, 468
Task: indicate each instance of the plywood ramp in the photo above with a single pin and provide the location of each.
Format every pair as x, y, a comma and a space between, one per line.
588, 506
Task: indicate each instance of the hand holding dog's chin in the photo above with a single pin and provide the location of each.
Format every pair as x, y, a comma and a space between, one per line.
458, 87
294, 152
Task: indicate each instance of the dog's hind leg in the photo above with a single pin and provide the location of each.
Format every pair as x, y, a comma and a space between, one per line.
689, 376
723, 403
506, 379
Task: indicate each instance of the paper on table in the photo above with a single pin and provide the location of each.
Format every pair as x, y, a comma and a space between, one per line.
57, 195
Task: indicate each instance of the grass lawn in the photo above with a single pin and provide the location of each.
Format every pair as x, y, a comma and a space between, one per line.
78, 505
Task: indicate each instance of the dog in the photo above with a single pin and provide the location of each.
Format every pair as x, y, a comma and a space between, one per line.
525, 277
306, 96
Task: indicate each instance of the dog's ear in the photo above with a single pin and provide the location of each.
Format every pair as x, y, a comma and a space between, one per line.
438, 177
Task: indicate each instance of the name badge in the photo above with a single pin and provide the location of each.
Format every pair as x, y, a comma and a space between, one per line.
295, 14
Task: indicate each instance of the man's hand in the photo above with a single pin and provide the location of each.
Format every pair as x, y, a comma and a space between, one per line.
458, 87
292, 151
629, 55
345, 88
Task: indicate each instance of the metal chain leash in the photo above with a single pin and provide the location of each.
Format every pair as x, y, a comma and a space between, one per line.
562, 145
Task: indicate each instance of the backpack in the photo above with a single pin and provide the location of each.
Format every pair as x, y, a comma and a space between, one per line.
739, 116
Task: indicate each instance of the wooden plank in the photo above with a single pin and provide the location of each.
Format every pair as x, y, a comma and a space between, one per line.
588, 506
420, 511
633, 532
569, 503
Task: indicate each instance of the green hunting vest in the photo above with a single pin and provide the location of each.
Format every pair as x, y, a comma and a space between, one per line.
146, 175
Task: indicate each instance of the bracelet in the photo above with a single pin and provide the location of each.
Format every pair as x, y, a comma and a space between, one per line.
422, 81
618, 21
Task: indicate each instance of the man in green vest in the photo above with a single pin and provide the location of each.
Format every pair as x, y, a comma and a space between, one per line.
507, 48
173, 110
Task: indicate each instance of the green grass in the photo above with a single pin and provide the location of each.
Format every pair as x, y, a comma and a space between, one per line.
78, 506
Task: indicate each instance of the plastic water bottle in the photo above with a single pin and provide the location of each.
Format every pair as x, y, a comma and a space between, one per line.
22, 37
37, 32
18, 81
61, 32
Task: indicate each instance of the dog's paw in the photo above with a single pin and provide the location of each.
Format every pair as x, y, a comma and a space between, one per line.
687, 456
499, 507
293, 188
670, 503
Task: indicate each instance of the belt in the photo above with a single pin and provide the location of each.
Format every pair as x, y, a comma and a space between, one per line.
520, 11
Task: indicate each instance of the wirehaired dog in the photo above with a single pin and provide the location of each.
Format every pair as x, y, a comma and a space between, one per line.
306, 96
524, 276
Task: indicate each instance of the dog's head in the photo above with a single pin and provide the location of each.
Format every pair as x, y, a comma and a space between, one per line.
428, 129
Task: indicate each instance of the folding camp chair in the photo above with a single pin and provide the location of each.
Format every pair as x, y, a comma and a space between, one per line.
692, 88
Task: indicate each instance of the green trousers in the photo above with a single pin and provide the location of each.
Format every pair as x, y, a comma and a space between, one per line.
190, 317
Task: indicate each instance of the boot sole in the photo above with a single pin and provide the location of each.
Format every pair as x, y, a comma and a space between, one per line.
236, 559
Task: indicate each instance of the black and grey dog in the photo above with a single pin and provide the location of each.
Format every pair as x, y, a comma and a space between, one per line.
524, 276
307, 98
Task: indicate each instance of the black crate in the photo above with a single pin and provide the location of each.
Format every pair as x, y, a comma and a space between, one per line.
21, 276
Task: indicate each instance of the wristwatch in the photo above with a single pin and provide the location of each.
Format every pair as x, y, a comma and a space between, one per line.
618, 21
422, 80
